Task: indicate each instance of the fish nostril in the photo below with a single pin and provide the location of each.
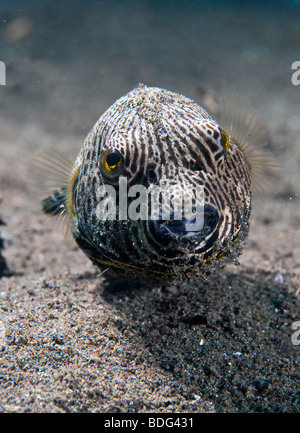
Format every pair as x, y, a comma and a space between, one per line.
195, 165
151, 176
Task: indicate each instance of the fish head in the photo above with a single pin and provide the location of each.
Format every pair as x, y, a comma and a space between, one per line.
161, 188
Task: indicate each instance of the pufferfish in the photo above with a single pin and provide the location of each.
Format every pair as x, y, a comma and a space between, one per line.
153, 136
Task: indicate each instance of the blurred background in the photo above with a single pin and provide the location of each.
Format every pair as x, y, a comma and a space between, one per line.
72, 59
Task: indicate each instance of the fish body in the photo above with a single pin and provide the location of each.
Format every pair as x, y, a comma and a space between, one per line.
148, 138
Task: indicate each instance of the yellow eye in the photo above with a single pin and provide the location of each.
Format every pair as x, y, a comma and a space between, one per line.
225, 141
111, 164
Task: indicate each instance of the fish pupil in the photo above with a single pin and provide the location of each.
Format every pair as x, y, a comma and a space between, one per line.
194, 165
112, 159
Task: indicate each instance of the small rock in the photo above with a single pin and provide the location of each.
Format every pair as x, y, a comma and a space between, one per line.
279, 279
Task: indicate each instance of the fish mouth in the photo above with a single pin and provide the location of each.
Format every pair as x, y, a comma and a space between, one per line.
196, 228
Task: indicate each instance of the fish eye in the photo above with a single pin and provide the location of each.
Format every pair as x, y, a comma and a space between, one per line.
225, 141
111, 164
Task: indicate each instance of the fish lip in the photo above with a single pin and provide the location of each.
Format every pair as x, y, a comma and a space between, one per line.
176, 230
